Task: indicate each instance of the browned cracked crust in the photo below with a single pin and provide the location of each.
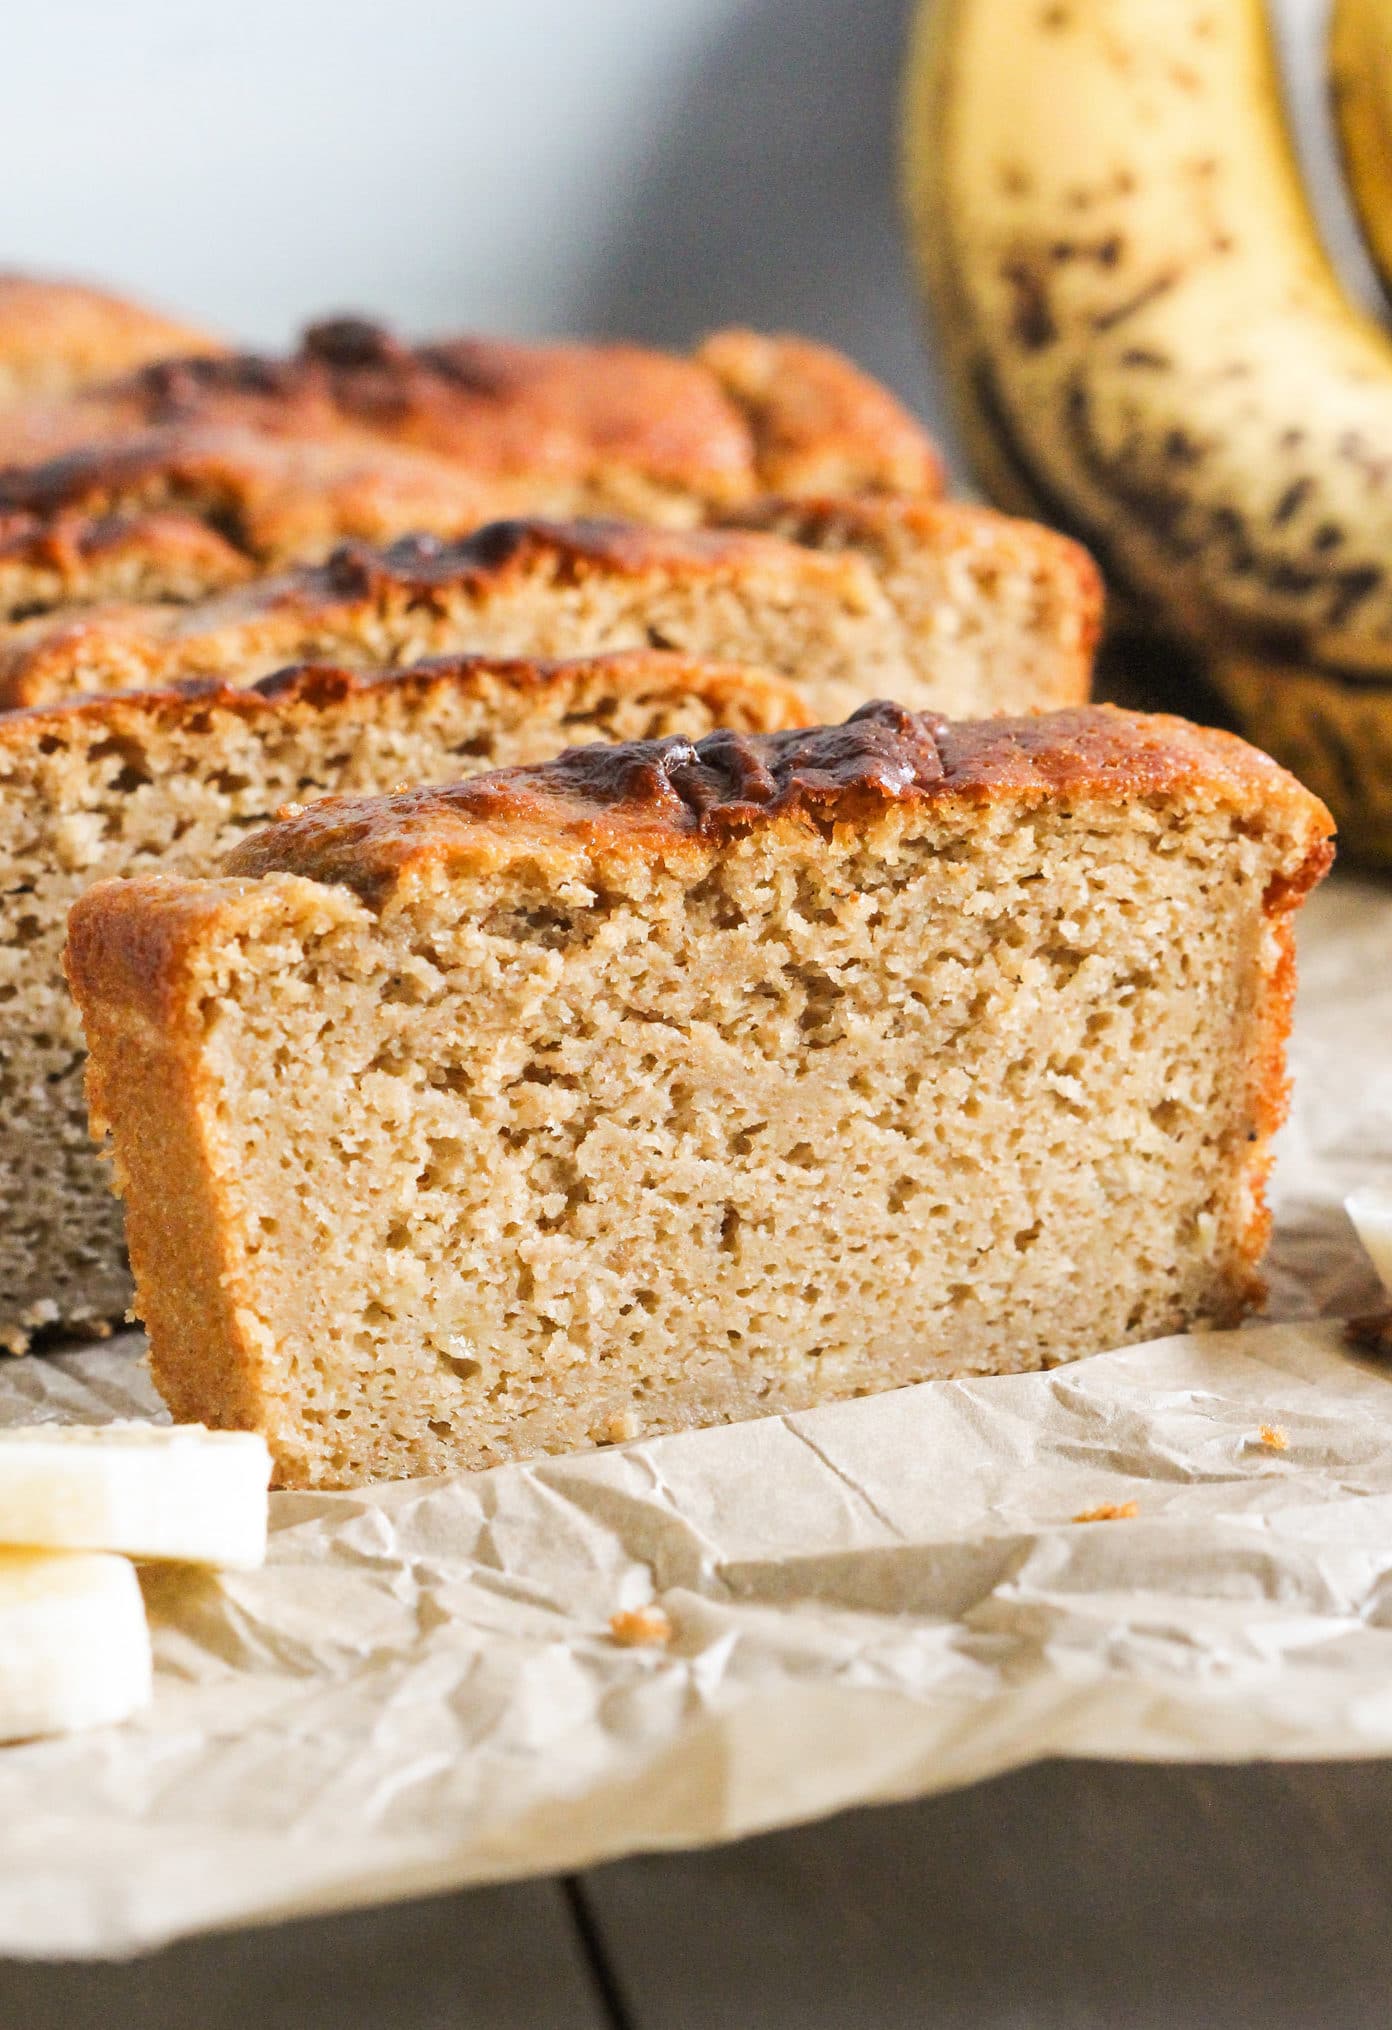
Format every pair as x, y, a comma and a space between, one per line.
746, 414
736, 695
56, 337
659, 796
269, 500
49, 564
359, 435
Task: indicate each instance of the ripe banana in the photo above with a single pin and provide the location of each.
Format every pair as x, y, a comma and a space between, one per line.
1360, 82
1149, 346
74, 1644
149, 1490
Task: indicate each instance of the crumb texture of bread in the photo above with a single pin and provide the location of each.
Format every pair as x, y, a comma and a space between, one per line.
933, 604
359, 434
56, 337
116, 787
670, 1085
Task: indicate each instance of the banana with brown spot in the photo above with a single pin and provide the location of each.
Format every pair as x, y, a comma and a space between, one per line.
1149, 346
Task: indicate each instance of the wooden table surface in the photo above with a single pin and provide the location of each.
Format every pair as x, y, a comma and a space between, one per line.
1062, 1897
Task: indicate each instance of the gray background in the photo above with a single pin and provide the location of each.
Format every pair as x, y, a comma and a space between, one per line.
641, 166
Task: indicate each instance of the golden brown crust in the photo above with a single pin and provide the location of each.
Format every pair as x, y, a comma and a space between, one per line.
500, 410
274, 498
47, 562
45, 657
360, 435
59, 336
657, 796
184, 1225
820, 425
737, 696
744, 416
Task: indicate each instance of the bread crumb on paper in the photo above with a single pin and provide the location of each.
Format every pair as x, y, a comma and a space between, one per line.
1108, 1512
1274, 1438
632, 1627
617, 1429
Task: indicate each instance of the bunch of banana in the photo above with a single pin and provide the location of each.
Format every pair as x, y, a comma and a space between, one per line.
1149, 346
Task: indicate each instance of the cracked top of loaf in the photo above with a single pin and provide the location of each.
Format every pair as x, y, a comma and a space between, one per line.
265, 496
657, 796
736, 693
742, 415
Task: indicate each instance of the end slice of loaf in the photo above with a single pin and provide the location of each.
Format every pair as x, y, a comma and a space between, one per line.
671, 1084
170, 781
931, 603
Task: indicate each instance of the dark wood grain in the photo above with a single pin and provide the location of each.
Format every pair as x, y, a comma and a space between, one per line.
490, 1959
1066, 1897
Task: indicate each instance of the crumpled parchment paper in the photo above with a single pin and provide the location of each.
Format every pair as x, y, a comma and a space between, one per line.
872, 1600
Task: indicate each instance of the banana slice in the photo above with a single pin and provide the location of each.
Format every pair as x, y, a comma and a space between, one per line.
148, 1490
74, 1644
1371, 1212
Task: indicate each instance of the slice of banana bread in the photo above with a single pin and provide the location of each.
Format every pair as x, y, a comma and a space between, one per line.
361, 435
670, 1084
57, 336
928, 602
170, 780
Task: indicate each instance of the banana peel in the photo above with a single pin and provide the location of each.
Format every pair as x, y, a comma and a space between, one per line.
1360, 86
1149, 347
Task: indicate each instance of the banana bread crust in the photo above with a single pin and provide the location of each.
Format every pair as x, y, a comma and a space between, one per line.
664, 796
745, 414
46, 563
736, 694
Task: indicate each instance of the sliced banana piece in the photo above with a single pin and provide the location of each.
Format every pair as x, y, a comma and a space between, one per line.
74, 1643
148, 1490
1371, 1212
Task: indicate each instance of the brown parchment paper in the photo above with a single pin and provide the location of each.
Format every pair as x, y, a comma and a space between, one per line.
869, 1601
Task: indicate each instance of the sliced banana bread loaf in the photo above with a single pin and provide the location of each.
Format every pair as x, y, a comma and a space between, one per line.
669, 1084
928, 602
170, 781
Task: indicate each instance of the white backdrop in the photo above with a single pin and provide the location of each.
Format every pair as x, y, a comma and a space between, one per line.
651, 166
